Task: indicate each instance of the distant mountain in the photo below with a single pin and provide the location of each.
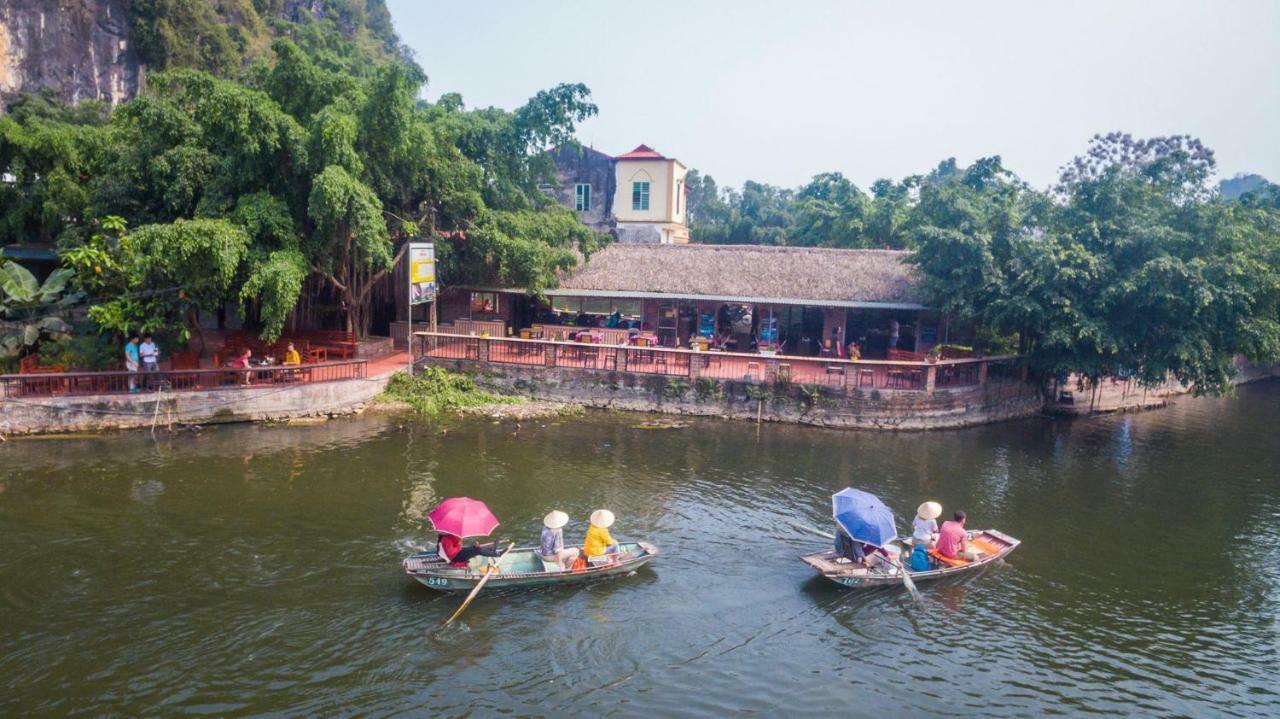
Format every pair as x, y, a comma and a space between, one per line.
102, 49
1237, 186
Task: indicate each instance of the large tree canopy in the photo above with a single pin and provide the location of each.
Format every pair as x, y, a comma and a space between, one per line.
325, 171
1131, 266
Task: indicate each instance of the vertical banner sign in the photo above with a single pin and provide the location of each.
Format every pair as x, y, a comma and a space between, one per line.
422, 272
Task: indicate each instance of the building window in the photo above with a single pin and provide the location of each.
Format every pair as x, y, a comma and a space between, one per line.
582, 197
679, 194
484, 303
639, 195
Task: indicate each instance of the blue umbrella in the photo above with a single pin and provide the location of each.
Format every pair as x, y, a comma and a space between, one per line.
863, 516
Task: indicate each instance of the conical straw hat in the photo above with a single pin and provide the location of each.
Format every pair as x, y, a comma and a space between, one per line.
929, 510
556, 519
602, 518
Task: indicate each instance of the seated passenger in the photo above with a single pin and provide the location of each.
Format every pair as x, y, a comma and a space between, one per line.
599, 541
925, 525
451, 550
552, 548
291, 356
952, 542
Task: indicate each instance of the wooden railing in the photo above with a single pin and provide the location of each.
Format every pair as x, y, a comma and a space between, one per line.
63, 384
849, 375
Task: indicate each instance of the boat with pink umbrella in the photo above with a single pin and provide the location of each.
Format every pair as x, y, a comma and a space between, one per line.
464, 517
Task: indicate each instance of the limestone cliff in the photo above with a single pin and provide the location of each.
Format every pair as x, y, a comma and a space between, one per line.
101, 49
78, 48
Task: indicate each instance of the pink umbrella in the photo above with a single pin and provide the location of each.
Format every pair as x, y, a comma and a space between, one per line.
463, 517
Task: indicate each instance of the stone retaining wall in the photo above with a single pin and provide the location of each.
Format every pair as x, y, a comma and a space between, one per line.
38, 415
999, 400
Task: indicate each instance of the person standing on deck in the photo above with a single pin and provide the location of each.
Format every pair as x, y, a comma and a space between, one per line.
132, 362
150, 354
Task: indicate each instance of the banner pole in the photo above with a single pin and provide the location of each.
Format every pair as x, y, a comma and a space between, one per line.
408, 290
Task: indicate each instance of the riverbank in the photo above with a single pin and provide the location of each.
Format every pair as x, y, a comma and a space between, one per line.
99, 412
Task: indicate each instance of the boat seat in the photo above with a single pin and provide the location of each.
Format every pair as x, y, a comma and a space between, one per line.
985, 547
950, 562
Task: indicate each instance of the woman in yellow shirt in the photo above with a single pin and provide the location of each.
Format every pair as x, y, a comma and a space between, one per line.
599, 542
291, 355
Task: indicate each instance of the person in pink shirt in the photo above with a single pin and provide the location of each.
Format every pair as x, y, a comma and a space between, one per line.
951, 539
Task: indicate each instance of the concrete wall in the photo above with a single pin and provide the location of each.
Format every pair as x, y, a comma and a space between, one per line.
584, 165
39, 415
893, 410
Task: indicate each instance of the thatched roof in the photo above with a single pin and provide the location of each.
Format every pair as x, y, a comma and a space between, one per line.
748, 273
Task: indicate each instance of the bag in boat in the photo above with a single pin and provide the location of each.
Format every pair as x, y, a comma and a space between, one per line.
920, 559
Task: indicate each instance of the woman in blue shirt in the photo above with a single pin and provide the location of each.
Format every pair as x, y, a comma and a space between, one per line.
552, 546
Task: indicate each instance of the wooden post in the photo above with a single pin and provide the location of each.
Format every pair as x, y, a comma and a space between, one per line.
408, 327
930, 378
982, 374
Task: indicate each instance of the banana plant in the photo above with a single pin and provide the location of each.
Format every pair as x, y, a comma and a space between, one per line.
33, 311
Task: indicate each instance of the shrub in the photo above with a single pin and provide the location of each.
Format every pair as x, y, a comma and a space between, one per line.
435, 389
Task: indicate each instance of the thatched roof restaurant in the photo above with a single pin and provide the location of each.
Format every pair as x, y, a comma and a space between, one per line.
794, 300
748, 274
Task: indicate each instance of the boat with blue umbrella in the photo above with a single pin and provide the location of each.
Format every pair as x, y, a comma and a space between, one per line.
868, 551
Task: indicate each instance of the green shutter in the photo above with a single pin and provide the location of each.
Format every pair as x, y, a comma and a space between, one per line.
639, 195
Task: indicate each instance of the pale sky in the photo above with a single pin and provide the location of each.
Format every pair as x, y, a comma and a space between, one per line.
780, 91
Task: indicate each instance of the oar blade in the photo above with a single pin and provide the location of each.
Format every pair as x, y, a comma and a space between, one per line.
493, 569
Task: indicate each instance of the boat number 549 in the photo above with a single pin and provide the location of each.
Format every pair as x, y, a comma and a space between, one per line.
436, 581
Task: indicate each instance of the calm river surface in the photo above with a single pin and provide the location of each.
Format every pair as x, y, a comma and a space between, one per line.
255, 570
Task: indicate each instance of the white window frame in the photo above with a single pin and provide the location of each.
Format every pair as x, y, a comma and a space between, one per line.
582, 196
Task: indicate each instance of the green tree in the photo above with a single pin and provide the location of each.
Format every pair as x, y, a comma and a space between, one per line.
159, 277
349, 247
34, 311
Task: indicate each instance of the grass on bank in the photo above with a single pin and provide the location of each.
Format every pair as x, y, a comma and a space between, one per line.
433, 390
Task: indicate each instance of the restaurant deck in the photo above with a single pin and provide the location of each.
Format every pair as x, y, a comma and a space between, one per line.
848, 375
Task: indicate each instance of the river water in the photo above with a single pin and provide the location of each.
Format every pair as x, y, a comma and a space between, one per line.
255, 570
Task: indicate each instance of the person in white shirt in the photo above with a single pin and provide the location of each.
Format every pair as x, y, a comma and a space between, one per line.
150, 355
924, 528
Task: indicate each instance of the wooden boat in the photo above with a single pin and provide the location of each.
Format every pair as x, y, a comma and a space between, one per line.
994, 545
523, 567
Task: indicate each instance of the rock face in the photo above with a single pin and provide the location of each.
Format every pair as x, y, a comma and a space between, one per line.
79, 48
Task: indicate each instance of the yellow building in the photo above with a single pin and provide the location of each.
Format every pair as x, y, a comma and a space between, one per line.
649, 200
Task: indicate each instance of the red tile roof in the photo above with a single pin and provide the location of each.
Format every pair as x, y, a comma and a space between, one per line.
642, 152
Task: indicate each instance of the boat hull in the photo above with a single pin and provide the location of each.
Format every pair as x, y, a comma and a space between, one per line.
522, 568
858, 577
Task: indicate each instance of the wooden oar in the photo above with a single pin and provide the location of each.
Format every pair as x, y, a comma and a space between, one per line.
906, 580
493, 569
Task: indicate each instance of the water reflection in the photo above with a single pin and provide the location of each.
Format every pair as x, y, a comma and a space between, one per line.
256, 570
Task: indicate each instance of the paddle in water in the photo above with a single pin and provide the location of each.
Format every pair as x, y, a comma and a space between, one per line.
491, 570
906, 579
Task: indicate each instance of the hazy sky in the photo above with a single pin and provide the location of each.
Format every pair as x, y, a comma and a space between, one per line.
779, 91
